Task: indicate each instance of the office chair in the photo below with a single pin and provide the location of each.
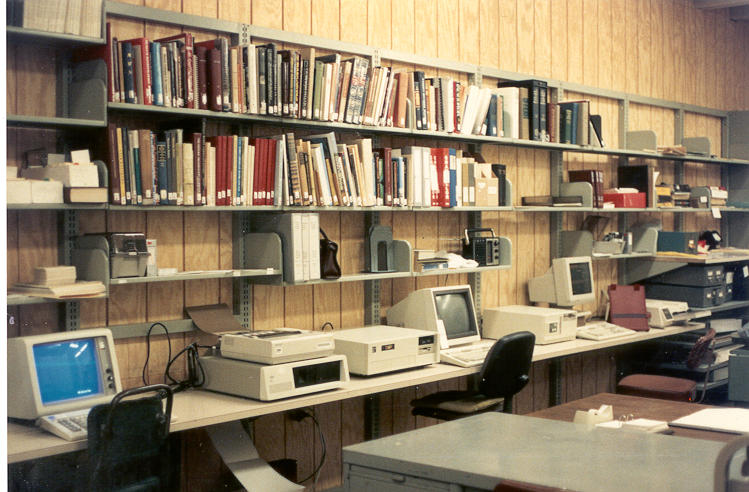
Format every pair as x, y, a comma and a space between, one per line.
128, 442
503, 374
673, 388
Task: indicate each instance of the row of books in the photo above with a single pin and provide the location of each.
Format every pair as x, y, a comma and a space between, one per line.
177, 71
78, 17
175, 168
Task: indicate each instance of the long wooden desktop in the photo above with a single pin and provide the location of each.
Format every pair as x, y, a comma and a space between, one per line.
195, 408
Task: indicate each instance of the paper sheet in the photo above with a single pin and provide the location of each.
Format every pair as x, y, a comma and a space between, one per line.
734, 420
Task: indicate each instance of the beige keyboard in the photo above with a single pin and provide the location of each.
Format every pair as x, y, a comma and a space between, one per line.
602, 330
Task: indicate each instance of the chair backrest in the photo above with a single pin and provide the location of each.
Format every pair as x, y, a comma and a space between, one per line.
128, 441
507, 365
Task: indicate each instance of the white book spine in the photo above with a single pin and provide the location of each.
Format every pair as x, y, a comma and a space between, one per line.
314, 246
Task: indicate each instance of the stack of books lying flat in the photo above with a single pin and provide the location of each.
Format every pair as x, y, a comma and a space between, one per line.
59, 282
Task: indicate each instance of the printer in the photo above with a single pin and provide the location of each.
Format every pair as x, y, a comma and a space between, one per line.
378, 349
549, 325
666, 313
276, 346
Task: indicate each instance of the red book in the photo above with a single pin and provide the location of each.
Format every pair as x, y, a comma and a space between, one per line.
144, 69
257, 167
270, 178
441, 163
188, 70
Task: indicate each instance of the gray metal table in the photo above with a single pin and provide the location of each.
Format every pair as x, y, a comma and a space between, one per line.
478, 452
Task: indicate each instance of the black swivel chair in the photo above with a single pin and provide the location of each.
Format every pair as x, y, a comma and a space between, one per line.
128, 442
503, 374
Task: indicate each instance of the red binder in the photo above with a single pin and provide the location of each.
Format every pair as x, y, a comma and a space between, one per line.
627, 307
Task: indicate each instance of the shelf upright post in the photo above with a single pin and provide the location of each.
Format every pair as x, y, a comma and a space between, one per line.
69, 232
623, 122
242, 287
371, 287
474, 279
679, 165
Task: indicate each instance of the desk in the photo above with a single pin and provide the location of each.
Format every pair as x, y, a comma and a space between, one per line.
649, 408
482, 450
196, 408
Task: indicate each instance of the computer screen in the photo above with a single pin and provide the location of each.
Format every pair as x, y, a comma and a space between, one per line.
567, 283
61, 372
449, 311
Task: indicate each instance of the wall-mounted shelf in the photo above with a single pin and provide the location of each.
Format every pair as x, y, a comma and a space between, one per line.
200, 275
25, 35
53, 122
21, 300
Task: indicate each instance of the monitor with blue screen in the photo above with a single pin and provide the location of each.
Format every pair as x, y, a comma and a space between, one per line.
61, 372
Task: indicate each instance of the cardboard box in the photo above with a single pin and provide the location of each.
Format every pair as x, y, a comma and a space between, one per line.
626, 200
487, 186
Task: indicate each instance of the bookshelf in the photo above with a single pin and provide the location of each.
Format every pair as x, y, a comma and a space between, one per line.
243, 33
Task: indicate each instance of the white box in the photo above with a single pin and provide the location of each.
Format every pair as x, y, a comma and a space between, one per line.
46, 191
151, 268
550, 325
276, 346
85, 175
18, 191
378, 349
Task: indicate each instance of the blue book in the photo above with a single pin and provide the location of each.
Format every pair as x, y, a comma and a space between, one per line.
156, 88
161, 172
135, 160
127, 71
453, 177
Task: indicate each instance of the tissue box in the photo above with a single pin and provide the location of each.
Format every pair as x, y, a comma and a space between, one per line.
625, 200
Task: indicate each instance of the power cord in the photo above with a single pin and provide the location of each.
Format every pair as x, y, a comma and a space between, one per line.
327, 324
195, 371
148, 349
299, 415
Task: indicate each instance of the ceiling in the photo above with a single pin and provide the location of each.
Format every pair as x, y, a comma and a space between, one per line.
738, 9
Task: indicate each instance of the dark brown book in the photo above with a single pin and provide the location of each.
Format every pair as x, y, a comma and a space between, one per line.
146, 165
198, 167
202, 94
214, 80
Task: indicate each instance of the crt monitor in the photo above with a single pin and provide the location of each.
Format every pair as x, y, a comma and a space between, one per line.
449, 311
61, 372
567, 283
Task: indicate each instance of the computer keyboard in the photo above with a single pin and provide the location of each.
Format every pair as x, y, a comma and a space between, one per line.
72, 426
602, 330
467, 355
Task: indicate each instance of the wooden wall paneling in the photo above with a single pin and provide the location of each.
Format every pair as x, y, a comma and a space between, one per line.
165, 299
574, 27
325, 18
327, 298
384, 403
558, 46
201, 232
404, 228
657, 48
525, 241
37, 242
270, 436
644, 55
236, 10
508, 35
540, 384
488, 20
403, 14
525, 36
508, 227
11, 72
470, 40
379, 24
668, 53
12, 260
448, 31
352, 425
572, 377
490, 281
330, 474
300, 446
226, 260
590, 35
631, 27
352, 29
266, 13
35, 80
680, 53
298, 312
426, 238
589, 374
618, 49
523, 401
297, 16
542, 40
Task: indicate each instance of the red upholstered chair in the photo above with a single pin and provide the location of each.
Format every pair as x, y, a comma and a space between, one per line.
671, 388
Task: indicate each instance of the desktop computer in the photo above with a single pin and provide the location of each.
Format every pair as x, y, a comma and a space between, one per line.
549, 325
58, 377
449, 312
569, 282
